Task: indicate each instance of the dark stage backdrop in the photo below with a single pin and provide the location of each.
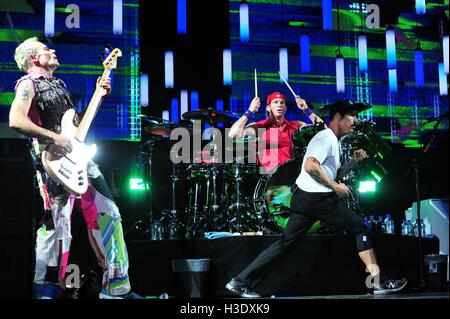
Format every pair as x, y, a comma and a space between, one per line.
78, 51
150, 28
215, 25
281, 23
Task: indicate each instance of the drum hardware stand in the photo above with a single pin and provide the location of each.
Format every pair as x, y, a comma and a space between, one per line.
211, 205
150, 145
191, 230
175, 220
214, 207
236, 222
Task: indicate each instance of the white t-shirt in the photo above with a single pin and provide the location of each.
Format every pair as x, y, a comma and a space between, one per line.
324, 147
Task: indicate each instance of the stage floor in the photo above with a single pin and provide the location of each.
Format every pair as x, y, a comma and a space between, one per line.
421, 295
321, 265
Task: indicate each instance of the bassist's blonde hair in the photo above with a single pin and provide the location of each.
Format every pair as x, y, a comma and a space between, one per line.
23, 51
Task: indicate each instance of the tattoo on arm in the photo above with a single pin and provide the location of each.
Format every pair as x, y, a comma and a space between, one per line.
319, 176
24, 94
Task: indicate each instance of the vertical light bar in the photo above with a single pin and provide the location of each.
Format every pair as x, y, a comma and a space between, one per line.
181, 17
443, 86
144, 89
390, 49
340, 74
168, 67
327, 13
49, 28
174, 110
418, 61
392, 80
445, 52
283, 56
184, 101
305, 57
244, 22
227, 67
117, 16
219, 105
362, 53
166, 115
194, 100
421, 7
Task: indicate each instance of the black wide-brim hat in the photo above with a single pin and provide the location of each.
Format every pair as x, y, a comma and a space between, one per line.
345, 105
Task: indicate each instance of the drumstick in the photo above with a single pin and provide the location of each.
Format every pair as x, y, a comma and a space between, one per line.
256, 85
289, 87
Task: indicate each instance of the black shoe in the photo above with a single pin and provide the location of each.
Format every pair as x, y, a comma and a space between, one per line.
390, 286
238, 288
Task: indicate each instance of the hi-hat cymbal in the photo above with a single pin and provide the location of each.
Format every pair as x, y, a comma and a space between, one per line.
211, 116
164, 129
158, 129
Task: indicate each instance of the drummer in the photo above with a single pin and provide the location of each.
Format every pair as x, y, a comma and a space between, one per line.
279, 131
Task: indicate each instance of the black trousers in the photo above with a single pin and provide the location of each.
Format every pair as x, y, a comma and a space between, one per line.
306, 208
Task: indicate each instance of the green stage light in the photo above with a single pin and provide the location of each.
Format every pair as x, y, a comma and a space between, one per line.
376, 176
367, 186
138, 184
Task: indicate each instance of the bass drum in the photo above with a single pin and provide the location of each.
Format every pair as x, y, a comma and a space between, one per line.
272, 198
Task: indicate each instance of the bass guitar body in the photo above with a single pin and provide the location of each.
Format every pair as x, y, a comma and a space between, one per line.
69, 169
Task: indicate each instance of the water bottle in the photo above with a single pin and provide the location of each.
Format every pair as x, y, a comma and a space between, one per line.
173, 229
406, 228
157, 229
389, 225
416, 228
366, 222
164, 296
380, 226
372, 223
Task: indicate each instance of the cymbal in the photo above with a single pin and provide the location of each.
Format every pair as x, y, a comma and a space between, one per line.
158, 129
211, 116
157, 126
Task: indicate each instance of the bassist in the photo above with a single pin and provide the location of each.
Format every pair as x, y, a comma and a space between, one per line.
38, 107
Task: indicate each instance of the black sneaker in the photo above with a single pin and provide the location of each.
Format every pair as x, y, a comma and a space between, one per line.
390, 286
238, 288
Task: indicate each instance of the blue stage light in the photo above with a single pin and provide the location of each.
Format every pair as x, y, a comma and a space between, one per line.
340, 74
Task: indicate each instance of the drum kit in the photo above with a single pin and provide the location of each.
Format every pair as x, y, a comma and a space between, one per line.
234, 196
